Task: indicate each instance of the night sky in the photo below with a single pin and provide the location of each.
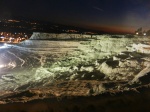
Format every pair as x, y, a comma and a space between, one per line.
107, 15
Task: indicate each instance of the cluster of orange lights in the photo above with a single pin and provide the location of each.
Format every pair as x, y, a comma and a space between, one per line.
12, 38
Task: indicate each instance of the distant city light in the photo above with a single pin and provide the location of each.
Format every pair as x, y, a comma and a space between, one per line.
2, 37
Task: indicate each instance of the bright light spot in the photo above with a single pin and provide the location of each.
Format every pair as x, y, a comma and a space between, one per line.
144, 34
137, 33
2, 37
5, 44
10, 38
2, 66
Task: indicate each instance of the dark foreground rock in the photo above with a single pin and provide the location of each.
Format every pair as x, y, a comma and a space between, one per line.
62, 98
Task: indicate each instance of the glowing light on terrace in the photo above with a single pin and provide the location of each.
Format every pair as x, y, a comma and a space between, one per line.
2, 66
144, 34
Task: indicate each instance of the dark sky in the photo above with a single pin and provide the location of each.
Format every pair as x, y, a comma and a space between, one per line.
110, 15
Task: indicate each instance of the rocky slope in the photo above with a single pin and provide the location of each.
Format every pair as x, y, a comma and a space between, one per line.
111, 70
